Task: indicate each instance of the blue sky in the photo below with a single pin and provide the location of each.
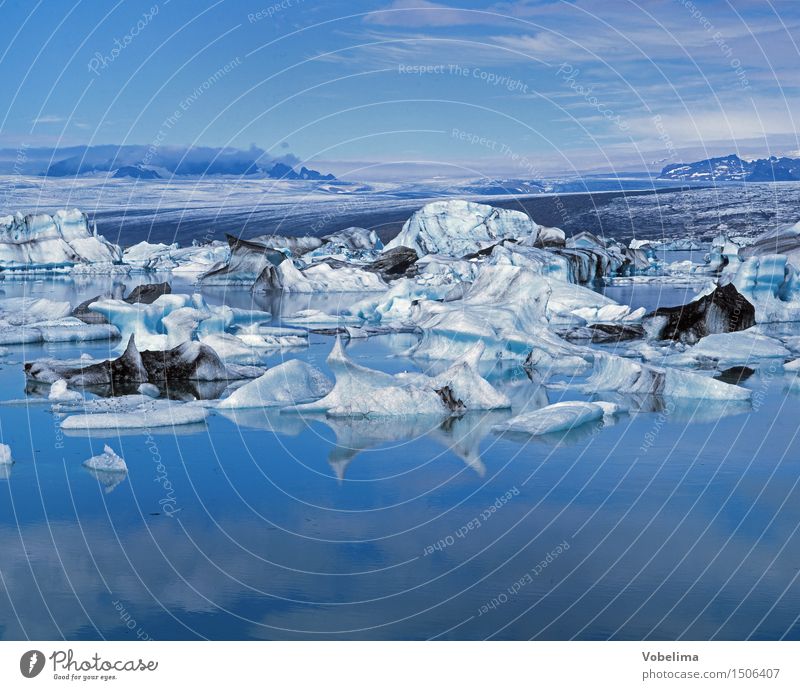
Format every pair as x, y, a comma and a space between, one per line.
410, 87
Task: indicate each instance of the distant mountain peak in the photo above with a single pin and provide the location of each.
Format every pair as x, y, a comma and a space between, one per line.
732, 168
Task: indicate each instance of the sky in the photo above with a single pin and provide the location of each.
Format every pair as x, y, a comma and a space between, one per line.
409, 88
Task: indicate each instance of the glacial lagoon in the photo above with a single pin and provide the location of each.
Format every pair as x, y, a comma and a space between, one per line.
676, 523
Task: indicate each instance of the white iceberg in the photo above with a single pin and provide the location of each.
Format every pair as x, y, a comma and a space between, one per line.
5, 455
362, 392
107, 461
149, 413
60, 393
52, 242
561, 416
731, 349
172, 319
288, 383
613, 373
178, 260
322, 277
458, 227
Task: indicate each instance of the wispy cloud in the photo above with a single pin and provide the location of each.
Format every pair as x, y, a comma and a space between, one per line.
48, 120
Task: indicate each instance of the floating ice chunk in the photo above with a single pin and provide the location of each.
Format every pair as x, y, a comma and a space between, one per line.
323, 277
68, 330
794, 365
721, 310
150, 390
5, 455
458, 227
188, 260
731, 349
108, 461
362, 392
60, 393
288, 383
51, 242
770, 284
561, 416
613, 373
349, 244
172, 319
395, 304
251, 262
154, 413
20, 311
467, 385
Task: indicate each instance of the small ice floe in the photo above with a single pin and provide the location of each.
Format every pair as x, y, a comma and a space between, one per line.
146, 414
60, 393
150, 390
107, 461
793, 366
5, 455
108, 468
561, 416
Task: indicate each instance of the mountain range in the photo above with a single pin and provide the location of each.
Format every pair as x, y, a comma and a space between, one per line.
733, 168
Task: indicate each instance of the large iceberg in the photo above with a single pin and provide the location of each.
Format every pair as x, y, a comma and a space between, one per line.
178, 260
363, 392
58, 241
172, 319
457, 227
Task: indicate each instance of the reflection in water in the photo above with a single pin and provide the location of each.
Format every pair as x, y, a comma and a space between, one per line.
291, 526
108, 480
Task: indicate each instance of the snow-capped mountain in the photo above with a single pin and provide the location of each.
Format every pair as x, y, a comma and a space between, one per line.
732, 168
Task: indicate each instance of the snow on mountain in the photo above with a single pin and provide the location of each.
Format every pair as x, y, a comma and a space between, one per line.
733, 168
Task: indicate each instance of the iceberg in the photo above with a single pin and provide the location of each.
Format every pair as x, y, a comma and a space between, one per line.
349, 244
5, 455
288, 383
172, 319
561, 416
770, 283
464, 381
725, 309
325, 277
149, 413
251, 263
175, 259
613, 373
725, 350
458, 227
59, 241
107, 461
60, 393
190, 361
362, 392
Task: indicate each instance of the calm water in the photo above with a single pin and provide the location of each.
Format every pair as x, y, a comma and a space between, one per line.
679, 524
